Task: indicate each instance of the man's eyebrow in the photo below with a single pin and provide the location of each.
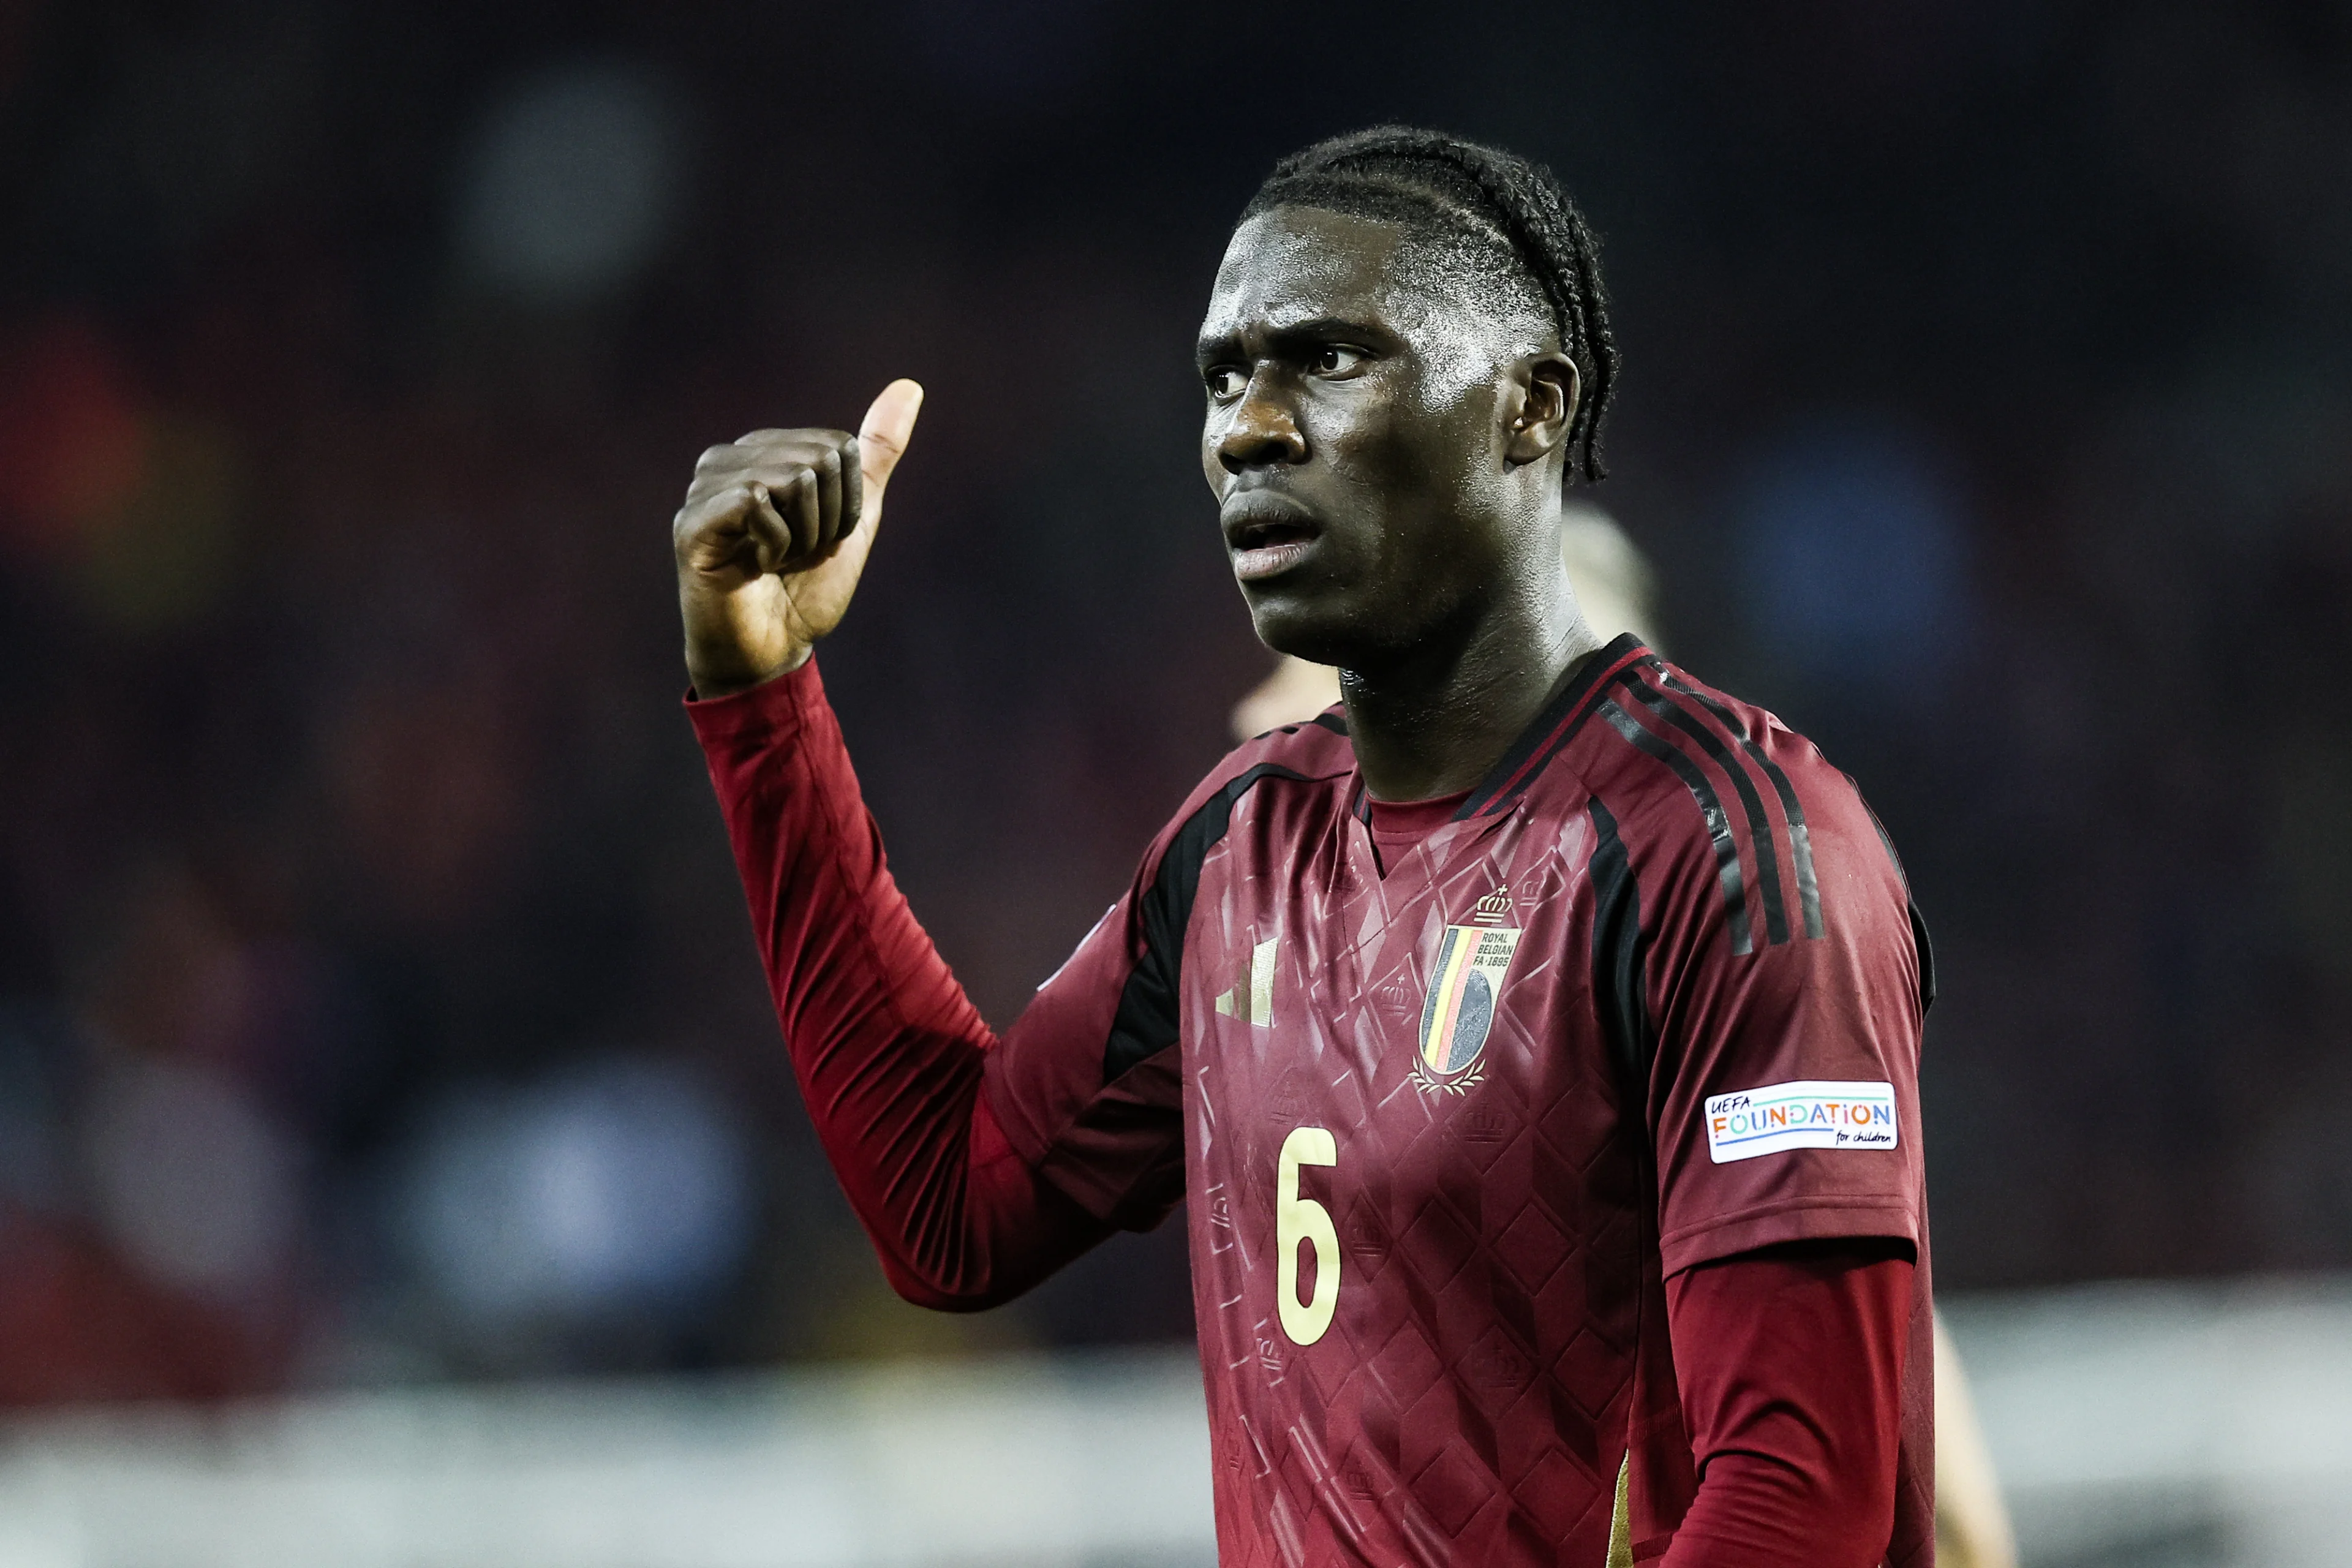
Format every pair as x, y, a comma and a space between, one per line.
1217, 345
1213, 347
1323, 328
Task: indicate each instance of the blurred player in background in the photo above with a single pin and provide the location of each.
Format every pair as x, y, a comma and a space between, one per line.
1617, 589
1537, 1042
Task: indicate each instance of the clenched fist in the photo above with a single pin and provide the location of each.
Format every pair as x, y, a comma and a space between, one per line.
772, 537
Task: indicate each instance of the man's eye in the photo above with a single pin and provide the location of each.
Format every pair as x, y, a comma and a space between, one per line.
1334, 359
1226, 382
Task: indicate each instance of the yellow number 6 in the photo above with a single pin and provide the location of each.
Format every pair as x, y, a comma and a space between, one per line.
1296, 1220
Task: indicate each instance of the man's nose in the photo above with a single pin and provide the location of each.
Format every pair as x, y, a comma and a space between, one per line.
1261, 432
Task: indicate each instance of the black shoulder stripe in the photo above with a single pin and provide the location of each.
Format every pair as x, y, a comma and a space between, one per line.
1719, 827
1145, 1022
1620, 957
1800, 838
1335, 721
1760, 825
1919, 937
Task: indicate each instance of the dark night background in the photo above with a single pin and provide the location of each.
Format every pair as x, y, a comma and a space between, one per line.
375, 997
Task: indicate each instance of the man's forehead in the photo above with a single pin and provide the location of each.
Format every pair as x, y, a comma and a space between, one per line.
1299, 264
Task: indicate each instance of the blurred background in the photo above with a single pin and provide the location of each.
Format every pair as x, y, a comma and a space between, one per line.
379, 1030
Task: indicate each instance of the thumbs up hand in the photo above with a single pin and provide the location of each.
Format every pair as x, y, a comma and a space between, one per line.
773, 537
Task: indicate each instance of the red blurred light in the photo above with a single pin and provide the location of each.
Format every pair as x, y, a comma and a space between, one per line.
73, 440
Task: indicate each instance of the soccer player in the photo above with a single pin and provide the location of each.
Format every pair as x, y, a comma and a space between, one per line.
1535, 1037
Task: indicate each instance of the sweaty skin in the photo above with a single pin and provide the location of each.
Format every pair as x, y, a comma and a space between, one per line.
1388, 467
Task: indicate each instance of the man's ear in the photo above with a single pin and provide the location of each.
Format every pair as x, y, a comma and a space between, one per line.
1548, 390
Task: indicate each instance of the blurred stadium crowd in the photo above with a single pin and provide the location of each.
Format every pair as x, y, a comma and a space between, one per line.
374, 998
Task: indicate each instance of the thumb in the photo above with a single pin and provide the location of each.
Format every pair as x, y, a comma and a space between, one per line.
882, 439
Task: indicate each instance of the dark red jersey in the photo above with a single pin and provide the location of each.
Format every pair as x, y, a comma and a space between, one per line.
1652, 998
1451, 1108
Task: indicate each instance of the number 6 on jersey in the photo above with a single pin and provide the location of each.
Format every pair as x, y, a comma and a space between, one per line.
1298, 1220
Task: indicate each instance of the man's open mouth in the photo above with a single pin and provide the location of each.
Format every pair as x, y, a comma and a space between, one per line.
1267, 536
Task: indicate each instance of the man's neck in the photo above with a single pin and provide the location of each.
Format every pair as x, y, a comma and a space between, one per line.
1434, 723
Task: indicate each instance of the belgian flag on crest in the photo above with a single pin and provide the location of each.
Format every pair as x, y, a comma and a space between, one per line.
1468, 979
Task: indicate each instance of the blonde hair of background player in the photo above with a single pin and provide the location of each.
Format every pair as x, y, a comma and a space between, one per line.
1617, 592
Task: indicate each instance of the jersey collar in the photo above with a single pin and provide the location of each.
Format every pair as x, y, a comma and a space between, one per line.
1550, 729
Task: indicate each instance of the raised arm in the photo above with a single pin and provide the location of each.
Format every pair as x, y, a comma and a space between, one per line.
890, 1055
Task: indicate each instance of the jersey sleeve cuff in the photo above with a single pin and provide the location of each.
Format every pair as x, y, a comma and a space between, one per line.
1790, 1219
775, 707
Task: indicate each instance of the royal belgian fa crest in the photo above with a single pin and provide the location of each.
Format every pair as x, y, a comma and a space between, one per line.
1466, 985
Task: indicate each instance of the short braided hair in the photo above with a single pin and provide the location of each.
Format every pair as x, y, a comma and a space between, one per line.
1508, 205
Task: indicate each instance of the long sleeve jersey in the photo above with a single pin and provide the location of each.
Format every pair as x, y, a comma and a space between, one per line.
1498, 1136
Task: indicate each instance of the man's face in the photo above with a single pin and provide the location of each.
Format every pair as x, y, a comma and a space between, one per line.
1356, 437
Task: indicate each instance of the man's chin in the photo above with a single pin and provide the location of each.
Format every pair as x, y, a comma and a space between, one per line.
1314, 632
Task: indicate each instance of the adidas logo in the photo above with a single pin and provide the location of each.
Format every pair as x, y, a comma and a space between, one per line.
1252, 996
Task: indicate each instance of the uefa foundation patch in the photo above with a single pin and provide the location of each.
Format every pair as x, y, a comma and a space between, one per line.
1818, 1114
